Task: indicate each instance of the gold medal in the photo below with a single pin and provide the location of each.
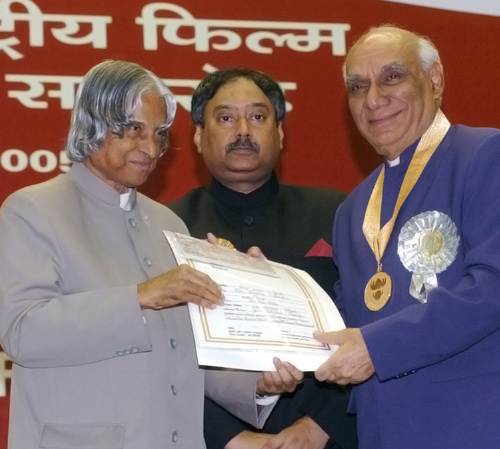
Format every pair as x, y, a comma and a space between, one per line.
378, 291
379, 287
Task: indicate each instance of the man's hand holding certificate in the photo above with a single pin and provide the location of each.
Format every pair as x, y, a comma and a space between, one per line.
270, 310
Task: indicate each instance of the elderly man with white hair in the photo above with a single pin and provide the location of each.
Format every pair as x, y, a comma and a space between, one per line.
417, 245
92, 303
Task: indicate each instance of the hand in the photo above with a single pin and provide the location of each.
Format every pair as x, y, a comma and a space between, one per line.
248, 440
284, 380
216, 242
302, 434
180, 285
350, 363
254, 252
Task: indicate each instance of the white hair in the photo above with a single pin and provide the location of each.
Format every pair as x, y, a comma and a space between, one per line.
106, 101
427, 51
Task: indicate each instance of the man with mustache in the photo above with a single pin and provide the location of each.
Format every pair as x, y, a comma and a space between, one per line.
238, 116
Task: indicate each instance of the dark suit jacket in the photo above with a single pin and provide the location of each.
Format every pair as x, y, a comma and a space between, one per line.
291, 225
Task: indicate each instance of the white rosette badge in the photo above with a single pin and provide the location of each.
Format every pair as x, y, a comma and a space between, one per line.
427, 245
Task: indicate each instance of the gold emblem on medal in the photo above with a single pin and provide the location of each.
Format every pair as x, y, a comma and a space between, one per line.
378, 291
431, 242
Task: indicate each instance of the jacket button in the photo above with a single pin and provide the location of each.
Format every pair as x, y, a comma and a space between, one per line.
173, 343
173, 389
132, 222
175, 437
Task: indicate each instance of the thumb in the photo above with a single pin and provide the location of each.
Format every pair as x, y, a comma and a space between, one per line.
332, 338
212, 239
256, 253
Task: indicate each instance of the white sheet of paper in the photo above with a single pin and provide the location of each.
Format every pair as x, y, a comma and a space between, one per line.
270, 310
193, 249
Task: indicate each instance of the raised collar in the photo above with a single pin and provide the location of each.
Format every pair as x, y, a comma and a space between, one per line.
97, 187
236, 200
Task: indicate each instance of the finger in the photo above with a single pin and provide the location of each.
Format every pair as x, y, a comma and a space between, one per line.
267, 384
184, 292
296, 373
197, 278
212, 239
208, 289
325, 372
282, 379
272, 381
319, 374
194, 286
203, 297
288, 371
256, 253
332, 338
281, 376
202, 302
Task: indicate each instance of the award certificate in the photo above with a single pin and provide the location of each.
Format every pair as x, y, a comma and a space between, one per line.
270, 310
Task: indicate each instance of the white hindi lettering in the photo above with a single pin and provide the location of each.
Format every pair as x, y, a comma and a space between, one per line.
36, 19
67, 85
36, 88
6, 46
205, 30
206, 34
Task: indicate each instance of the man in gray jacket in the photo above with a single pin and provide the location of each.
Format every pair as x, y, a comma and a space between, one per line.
92, 303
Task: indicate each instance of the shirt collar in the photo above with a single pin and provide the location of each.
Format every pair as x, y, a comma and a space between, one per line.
393, 163
404, 159
100, 189
236, 200
127, 199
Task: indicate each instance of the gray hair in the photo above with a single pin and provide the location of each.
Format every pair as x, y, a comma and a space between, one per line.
427, 51
105, 102
209, 86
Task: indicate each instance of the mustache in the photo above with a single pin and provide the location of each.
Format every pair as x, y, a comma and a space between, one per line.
243, 142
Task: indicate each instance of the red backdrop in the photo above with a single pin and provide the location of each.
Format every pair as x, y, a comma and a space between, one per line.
301, 44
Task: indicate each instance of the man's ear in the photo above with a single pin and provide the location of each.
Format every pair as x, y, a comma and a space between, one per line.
436, 77
198, 131
281, 134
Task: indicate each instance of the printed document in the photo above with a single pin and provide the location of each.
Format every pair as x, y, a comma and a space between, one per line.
270, 310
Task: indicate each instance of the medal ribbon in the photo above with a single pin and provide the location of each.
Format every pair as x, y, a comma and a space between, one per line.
379, 238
